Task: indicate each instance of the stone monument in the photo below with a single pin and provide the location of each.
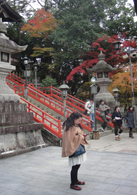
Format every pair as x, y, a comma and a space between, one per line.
102, 70
18, 132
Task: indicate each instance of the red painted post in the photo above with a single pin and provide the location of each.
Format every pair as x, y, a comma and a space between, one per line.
14, 89
59, 126
28, 107
51, 90
23, 89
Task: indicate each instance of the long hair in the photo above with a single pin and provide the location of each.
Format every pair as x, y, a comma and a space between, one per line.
70, 120
115, 108
130, 107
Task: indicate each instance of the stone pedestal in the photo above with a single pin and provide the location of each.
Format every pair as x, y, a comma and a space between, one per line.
18, 132
95, 134
6, 93
104, 94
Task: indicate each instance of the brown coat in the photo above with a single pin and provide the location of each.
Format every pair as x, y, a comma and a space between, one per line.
71, 141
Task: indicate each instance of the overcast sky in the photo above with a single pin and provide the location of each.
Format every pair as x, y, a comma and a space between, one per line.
131, 1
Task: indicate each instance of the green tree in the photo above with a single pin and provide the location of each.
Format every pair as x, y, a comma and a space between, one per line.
48, 81
82, 23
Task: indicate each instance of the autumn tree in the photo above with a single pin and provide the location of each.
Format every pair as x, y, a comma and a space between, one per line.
40, 27
112, 57
83, 23
122, 80
90, 58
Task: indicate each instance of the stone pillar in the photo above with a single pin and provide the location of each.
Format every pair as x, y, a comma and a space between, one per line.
6, 93
104, 93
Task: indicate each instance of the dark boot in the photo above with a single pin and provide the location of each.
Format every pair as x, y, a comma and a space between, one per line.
132, 135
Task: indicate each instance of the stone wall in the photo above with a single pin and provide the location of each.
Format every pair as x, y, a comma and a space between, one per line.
18, 131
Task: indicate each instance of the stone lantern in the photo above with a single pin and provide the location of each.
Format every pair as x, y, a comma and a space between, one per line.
7, 47
102, 70
18, 131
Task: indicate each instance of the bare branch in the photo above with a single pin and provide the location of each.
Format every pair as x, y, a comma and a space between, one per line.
40, 3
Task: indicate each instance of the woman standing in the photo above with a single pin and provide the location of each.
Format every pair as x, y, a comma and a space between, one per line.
129, 116
72, 138
117, 120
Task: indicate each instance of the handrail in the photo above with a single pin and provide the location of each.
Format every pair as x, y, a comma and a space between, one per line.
59, 104
56, 105
59, 92
71, 101
80, 107
51, 103
17, 89
39, 115
69, 110
42, 117
10, 75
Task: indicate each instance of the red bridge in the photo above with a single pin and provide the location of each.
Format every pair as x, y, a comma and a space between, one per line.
50, 98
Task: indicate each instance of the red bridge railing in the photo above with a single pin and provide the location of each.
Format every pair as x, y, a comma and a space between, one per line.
49, 98
57, 106
71, 100
41, 116
50, 123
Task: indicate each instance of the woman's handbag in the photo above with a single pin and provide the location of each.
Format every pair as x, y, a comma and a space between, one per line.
79, 151
114, 120
85, 112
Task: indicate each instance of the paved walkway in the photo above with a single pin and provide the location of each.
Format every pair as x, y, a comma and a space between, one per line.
108, 143
111, 169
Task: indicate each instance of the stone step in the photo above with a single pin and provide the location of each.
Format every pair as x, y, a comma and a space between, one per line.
44, 108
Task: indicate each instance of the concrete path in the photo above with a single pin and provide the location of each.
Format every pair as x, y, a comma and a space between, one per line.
111, 169
108, 143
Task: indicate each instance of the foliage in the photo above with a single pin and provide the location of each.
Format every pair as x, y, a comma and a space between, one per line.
122, 80
105, 44
41, 25
83, 91
69, 37
39, 28
48, 81
119, 18
113, 58
83, 22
